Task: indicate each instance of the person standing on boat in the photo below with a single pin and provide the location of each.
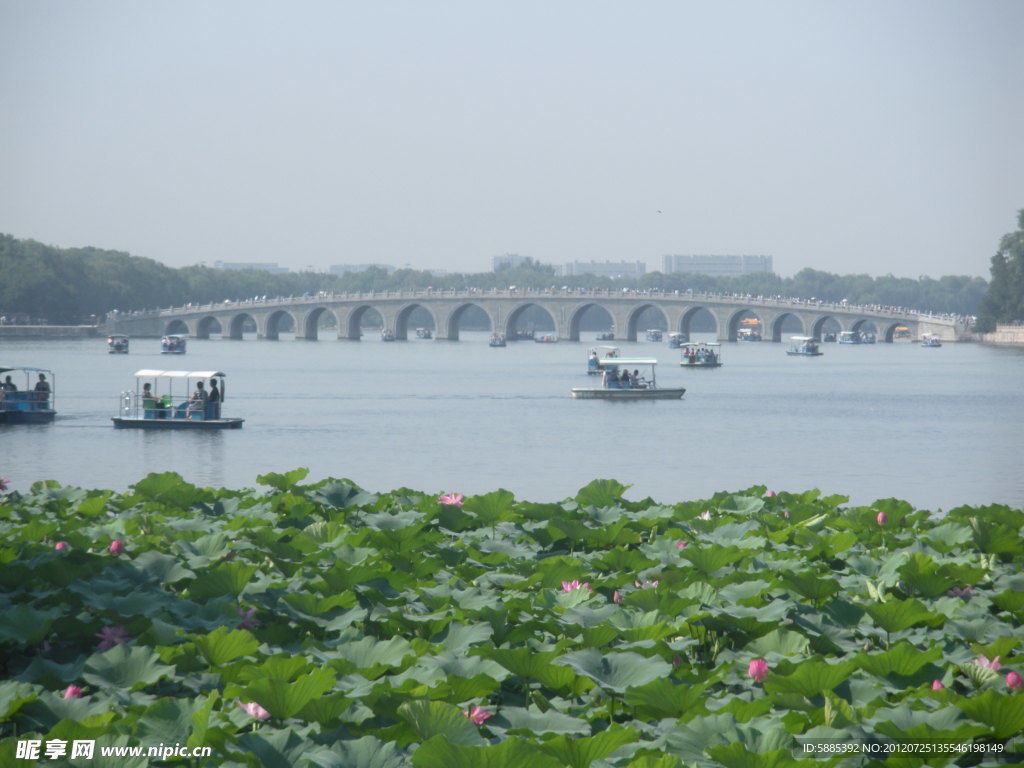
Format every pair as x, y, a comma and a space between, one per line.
42, 390
213, 400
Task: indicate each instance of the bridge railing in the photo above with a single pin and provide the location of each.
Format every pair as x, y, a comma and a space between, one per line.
777, 301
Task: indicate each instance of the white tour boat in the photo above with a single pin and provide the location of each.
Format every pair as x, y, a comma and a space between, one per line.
618, 383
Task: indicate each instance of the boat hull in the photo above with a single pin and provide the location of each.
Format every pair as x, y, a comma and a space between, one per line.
700, 365
804, 354
205, 424
594, 393
41, 416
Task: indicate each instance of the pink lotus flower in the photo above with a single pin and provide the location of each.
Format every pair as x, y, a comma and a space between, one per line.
3, 483
785, 514
254, 709
477, 714
451, 499
758, 670
937, 685
116, 547
570, 586
881, 518
770, 494
111, 636
616, 597
982, 661
72, 692
247, 618
60, 545
957, 592
1014, 680
705, 515
645, 584
682, 545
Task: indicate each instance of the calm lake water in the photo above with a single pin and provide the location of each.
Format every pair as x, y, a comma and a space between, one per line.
937, 427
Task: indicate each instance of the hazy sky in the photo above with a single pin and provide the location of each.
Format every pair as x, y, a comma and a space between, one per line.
875, 136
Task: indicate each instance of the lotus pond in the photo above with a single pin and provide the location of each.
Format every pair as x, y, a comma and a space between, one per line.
322, 625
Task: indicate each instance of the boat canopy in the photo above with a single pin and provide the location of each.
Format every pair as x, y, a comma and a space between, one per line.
4, 369
629, 361
801, 338
147, 373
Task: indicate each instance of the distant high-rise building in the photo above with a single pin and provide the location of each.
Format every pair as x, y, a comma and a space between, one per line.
341, 269
719, 266
605, 268
261, 266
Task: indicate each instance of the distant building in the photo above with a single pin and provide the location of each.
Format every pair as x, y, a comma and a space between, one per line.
260, 266
719, 266
605, 268
341, 269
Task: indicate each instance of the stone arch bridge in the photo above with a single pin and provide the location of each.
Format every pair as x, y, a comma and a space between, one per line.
505, 308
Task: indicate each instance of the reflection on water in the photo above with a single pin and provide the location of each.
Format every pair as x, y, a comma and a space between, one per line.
936, 427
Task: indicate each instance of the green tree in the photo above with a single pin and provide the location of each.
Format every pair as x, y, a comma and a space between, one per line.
1004, 302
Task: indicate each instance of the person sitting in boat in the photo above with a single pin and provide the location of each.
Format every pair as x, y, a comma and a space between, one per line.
151, 402
625, 380
638, 381
8, 385
213, 401
197, 403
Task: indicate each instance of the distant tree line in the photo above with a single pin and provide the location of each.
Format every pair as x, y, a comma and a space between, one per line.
1004, 302
68, 286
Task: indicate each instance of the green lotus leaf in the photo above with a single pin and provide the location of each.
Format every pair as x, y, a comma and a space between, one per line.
168, 720
1003, 713
26, 625
229, 579
370, 752
948, 536
601, 493
615, 671
650, 761
520, 719
223, 645
160, 568
737, 755
664, 697
513, 752
285, 482
811, 585
284, 699
707, 559
690, 740
438, 718
996, 538
13, 695
126, 667
171, 490
576, 752
342, 495
492, 507
902, 659
784, 642
459, 637
897, 615
809, 678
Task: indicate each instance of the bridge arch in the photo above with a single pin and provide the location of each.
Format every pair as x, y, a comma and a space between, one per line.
736, 318
517, 312
207, 325
775, 329
310, 326
402, 318
633, 315
351, 327
576, 318
237, 324
272, 328
178, 326
449, 326
687, 317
